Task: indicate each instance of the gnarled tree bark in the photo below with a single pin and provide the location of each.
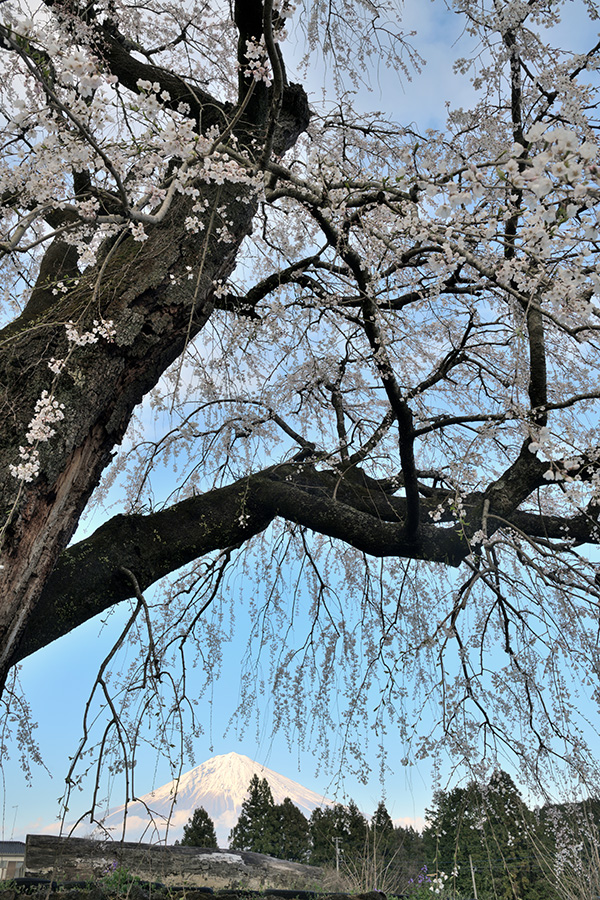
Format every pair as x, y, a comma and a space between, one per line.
144, 290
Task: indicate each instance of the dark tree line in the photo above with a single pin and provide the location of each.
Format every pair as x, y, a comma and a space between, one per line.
278, 829
489, 843
479, 840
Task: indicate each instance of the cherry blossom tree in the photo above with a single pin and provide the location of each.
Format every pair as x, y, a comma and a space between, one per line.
363, 358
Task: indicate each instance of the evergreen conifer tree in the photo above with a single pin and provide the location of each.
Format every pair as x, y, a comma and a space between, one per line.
356, 830
381, 830
257, 825
488, 827
292, 839
335, 829
199, 831
326, 825
382, 821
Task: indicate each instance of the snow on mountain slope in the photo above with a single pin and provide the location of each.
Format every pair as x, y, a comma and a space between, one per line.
219, 785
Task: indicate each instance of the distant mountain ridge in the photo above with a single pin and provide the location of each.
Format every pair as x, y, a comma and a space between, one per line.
220, 785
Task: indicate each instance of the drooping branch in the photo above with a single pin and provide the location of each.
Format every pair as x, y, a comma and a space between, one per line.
88, 576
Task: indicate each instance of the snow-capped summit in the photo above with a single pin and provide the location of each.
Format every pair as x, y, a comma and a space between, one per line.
219, 785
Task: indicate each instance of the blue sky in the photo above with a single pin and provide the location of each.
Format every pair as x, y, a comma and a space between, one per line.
423, 99
57, 680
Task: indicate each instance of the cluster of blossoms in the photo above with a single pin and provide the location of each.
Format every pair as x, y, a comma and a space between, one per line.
47, 413
434, 883
286, 9
257, 65
153, 95
80, 72
154, 87
438, 882
455, 506
102, 329
559, 161
61, 288
138, 232
105, 330
218, 170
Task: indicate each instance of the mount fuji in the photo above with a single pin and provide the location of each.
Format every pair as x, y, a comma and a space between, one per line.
219, 785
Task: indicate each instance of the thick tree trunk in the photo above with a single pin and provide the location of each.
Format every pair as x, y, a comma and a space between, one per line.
157, 293
145, 290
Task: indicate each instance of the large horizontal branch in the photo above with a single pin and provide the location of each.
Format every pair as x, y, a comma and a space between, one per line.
113, 49
204, 108
88, 578
579, 529
517, 482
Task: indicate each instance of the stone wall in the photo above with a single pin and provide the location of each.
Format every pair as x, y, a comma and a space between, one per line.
80, 859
